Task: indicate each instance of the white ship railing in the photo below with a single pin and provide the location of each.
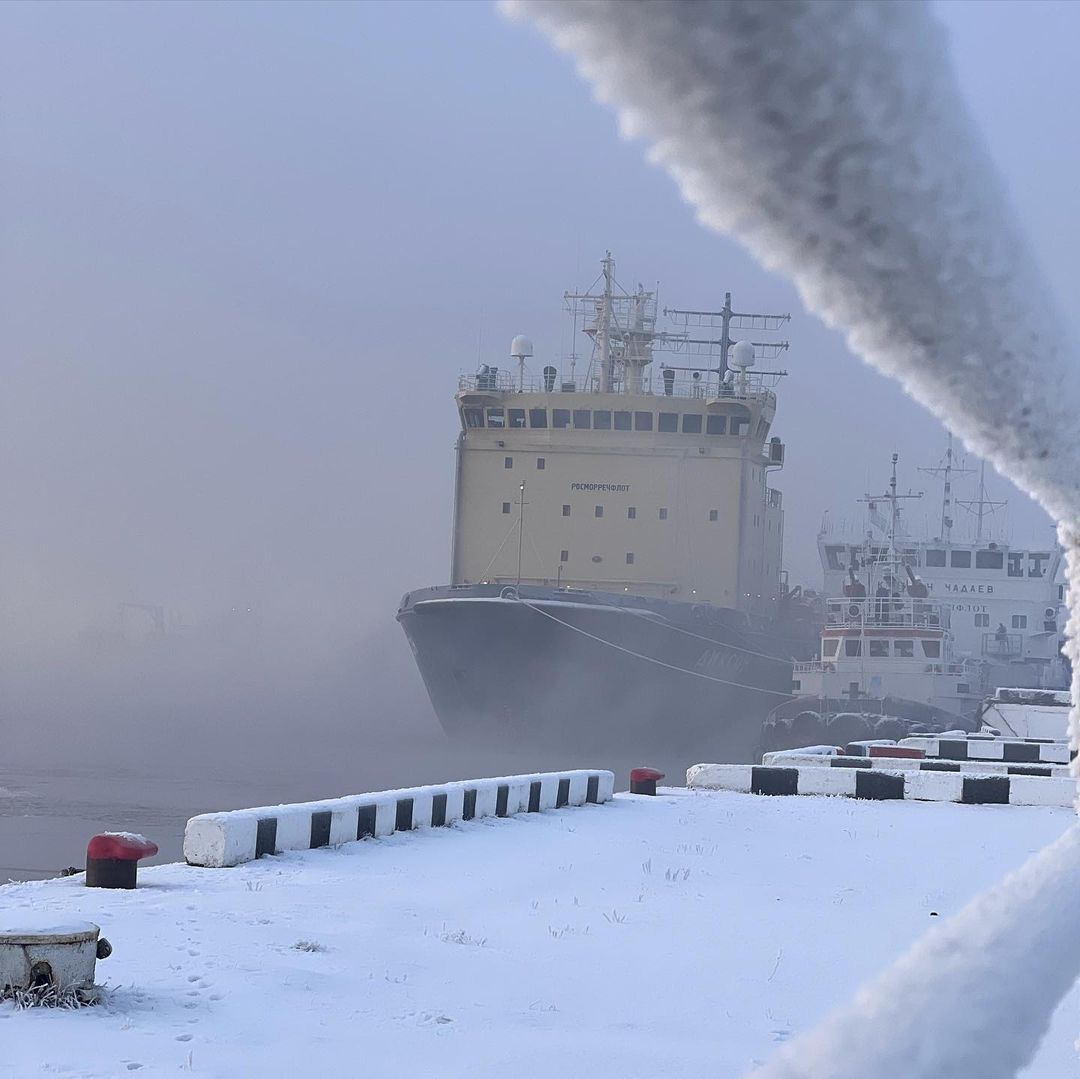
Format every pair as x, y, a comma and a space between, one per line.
878, 611
751, 387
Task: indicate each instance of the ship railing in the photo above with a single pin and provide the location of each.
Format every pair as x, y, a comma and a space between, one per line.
1002, 645
751, 387
853, 612
815, 666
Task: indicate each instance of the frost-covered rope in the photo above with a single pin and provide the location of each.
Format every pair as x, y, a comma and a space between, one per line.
830, 137
968, 1001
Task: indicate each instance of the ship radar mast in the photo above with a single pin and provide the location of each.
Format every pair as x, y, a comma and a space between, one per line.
979, 506
730, 352
894, 500
946, 472
622, 327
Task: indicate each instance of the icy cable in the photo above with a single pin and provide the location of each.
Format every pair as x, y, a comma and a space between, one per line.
831, 139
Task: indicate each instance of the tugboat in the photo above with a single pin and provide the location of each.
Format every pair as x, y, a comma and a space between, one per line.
1006, 602
887, 665
616, 562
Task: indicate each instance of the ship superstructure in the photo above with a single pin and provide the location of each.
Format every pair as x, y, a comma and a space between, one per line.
886, 636
1006, 602
616, 531
656, 485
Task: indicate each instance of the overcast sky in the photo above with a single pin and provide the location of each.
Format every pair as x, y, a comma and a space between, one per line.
247, 249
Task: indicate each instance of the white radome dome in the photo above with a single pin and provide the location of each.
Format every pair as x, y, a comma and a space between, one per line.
521, 347
742, 355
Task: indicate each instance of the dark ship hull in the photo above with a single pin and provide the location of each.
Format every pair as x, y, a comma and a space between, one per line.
579, 668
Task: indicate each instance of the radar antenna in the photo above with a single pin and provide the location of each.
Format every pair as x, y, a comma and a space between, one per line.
725, 320
622, 326
946, 472
979, 506
894, 501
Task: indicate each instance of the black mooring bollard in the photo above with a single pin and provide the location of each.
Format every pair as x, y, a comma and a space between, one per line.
112, 859
643, 780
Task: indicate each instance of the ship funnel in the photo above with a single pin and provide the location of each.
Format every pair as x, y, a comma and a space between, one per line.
742, 355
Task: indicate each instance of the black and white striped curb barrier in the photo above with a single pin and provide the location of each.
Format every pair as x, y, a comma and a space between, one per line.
789, 758
991, 749
926, 786
226, 839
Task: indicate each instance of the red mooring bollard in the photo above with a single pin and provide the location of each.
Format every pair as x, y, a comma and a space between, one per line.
112, 859
643, 780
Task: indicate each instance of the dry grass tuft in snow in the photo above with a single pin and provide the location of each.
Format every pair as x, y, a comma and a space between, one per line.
68, 997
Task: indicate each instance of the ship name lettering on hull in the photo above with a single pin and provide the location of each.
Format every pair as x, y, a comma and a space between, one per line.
599, 487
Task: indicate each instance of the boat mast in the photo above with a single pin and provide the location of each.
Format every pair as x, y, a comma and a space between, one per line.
604, 329
980, 505
521, 527
894, 501
946, 472
725, 334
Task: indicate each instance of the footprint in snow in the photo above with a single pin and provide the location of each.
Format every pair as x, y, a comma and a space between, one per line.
184, 1037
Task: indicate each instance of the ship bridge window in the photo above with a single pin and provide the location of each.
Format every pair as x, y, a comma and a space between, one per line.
960, 559
852, 646
904, 649
935, 557
599, 511
691, 423
474, 417
879, 648
1016, 564
1019, 621
541, 463
1035, 564
601, 419
983, 621
643, 421
829, 647
631, 513
517, 417
565, 510
538, 417
931, 649
762, 429
714, 515
716, 425
622, 421
506, 507
669, 421
508, 462
582, 419
663, 513
564, 555
560, 417
740, 423
496, 417
989, 560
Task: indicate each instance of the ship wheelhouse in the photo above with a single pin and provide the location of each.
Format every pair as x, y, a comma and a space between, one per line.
628, 480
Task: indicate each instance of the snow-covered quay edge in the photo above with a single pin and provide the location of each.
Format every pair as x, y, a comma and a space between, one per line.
227, 839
